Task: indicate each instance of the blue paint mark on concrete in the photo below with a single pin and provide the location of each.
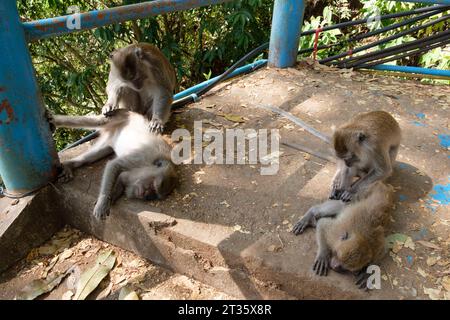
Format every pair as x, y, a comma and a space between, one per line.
431, 205
418, 124
442, 193
445, 140
409, 259
402, 165
402, 197
420, 115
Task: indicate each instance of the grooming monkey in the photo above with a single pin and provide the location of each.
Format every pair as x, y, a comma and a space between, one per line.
142, 168
365, 147
350, 236
142, 80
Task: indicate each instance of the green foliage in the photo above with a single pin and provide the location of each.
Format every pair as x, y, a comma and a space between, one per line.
200, 43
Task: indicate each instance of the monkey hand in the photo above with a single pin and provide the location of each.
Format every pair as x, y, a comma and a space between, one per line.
347, 195
66, 173
335, 193
322, 264
361, 279
108, 108
156, 126
50, 120
102, 207
306, 221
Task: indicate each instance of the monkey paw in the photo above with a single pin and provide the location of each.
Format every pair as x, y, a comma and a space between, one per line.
108, 108
50, 120
302, 224
322, 264
66, 173
335, 193
347, 196
101, 209
156, 126
361, 279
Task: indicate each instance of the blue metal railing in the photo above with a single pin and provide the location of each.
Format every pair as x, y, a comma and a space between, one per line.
28, 159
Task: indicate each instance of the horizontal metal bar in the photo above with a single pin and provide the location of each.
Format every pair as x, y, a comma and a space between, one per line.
425, 1
45, 28
435, 72
238, 71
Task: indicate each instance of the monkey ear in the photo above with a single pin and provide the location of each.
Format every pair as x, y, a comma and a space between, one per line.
111, 55
139, 53
361, 136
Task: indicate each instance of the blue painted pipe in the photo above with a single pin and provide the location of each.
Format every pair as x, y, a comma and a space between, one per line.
426, 1
28, 158
435, 72
45, 28
238, 71
287, 20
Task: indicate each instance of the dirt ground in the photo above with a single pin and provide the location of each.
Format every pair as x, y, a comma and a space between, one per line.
72, 252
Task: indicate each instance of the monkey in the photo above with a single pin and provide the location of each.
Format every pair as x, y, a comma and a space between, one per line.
365, 147
350, 236
142, 168
141, 79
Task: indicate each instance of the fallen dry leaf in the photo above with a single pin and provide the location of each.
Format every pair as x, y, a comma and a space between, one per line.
428, 244
38, 287
105, 292
434, 294
90, 279
67, 295
234, 118
446, 283
422, 272
431, 261
127, 294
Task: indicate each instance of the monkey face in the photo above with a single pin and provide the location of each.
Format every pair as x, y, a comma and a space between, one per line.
352, 253
155, 182
127, 61
348, 146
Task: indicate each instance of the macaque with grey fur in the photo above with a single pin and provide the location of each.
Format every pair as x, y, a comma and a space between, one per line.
142, 168
142, 80
365, 147
350, 236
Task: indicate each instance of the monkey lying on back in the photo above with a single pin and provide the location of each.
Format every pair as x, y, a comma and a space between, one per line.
142, 169
365, 147
350, 236
141, 79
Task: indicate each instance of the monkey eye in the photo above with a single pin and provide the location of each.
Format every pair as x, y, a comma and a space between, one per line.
344, 236
159, 163
361, 137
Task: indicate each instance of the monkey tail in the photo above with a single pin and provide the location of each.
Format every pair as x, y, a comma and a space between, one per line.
81, 122
91, 122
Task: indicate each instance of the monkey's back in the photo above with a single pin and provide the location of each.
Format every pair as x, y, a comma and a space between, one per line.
368, 210
380, 125
160, 61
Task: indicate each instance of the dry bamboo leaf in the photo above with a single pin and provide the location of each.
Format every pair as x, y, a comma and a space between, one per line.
90, 279
38, 287
127, 294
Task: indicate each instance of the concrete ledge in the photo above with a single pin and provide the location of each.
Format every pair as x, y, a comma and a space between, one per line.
26, 224
217, 255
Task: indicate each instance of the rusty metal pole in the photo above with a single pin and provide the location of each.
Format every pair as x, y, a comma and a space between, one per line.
287, 20
28, 158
